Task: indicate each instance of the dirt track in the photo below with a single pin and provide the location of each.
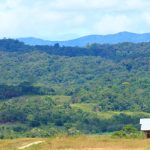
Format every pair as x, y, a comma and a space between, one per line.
28, 145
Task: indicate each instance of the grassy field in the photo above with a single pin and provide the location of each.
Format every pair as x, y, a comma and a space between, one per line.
76, 143
88, 107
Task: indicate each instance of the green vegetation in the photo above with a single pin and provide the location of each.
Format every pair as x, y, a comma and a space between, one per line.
50, 90
128, 131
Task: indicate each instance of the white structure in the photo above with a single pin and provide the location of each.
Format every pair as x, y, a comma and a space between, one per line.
145, 126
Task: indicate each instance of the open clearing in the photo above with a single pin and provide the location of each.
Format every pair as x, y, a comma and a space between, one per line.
75, 143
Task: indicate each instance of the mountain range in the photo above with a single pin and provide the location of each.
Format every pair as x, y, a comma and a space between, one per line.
101, 39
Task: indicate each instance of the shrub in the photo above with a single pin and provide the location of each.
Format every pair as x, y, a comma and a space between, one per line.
73, 131
128, 131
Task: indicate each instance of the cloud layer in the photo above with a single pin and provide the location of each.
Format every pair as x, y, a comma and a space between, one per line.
66, 19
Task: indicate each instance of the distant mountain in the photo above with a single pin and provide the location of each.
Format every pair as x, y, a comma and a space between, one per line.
101, 39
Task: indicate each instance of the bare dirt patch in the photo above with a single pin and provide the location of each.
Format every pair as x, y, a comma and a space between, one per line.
30, 144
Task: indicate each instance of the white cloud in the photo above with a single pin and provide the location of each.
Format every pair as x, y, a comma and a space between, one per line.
112, 24
61, 19
146, 17
141, 5
81, 4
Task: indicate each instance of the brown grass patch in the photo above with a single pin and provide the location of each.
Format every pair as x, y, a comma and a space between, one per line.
78, 143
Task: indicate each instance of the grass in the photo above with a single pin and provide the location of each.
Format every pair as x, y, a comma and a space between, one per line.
78, 143
61, 99
14, 144
88, 107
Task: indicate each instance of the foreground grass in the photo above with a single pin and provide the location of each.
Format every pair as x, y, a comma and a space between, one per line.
77, 143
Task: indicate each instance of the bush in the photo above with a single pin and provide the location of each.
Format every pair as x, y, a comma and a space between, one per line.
128, 131
73, 131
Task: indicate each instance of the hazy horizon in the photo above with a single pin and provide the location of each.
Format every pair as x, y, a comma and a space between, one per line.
81, 36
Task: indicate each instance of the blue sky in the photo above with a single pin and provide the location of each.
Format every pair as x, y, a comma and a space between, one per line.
68, 19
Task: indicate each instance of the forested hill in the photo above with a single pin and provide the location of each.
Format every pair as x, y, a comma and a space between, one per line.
71, 89
110, 51
108, 74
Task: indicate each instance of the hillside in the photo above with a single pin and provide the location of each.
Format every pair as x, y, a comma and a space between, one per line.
46, 90
100, 39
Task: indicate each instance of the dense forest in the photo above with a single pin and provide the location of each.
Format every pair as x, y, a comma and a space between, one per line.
48, 90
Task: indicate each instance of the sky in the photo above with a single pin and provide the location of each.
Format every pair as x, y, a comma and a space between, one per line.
69, 19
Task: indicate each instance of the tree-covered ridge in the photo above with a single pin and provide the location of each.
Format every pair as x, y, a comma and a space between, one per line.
117, 80
96, 78
115, 51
